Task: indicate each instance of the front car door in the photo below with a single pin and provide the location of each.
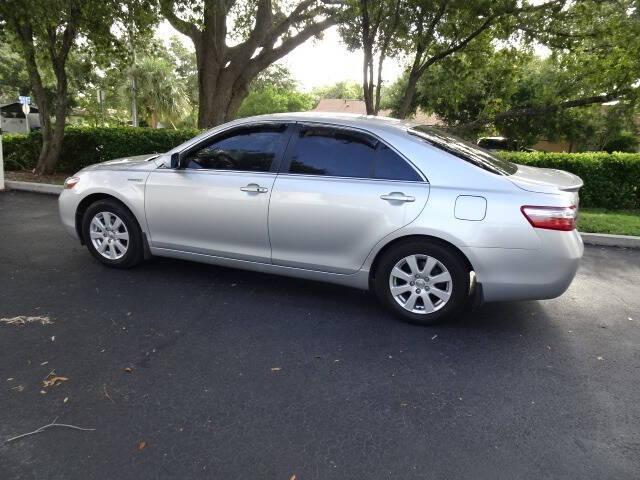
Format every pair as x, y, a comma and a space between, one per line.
218, 205
339, 192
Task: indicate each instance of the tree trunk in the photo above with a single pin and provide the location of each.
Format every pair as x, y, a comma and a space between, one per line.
406, 105
154, 119
52, 146
220, 90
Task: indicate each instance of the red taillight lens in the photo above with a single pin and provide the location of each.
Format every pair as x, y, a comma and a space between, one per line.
551, 218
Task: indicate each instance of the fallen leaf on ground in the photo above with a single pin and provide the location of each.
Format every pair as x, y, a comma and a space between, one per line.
24, 319
66, 399
293, 477
600, 358
127, 369
434, 337
52, 380
142, 445
276, 369
18, 388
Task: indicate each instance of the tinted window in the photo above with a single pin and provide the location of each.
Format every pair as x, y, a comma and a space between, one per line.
464, 150
327, 151
251, 149
390, 166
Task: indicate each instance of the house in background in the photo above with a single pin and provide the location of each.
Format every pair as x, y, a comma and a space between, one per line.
336, 105
14, 121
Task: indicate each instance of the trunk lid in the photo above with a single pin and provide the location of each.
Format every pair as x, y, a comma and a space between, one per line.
545, 180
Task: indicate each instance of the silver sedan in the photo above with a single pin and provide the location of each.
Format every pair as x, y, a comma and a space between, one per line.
429, 222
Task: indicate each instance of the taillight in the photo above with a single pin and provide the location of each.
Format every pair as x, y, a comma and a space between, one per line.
551, 218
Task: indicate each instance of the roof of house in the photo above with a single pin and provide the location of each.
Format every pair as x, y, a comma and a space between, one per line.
16, 107
337, 105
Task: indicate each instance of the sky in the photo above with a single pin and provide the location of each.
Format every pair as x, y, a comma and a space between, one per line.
316, 62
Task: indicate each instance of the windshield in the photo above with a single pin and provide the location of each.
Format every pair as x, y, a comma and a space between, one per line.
463, 149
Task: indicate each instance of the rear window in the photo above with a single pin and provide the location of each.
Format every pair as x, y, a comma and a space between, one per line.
464, 150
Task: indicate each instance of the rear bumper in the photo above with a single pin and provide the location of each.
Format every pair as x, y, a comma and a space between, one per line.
520, 274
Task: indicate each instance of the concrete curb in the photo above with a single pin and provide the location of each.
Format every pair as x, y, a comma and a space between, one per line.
33, 187
607, 240
601, 239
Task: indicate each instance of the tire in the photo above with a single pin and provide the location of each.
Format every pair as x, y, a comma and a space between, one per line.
434, 301
120, 242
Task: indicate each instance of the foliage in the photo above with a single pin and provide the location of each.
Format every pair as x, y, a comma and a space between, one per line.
611, 180
344, 90
47, 33
14, 80
161, 94
85, 146
275, 91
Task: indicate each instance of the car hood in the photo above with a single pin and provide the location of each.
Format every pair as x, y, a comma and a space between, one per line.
545, 180
136, 162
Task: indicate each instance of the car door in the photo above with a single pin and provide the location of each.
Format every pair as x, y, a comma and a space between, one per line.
218, 204
338, 193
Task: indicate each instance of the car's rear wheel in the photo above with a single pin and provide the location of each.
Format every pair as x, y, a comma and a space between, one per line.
422, 282
112, 234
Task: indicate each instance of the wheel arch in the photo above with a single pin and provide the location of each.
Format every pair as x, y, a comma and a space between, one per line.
407, 238
91, 199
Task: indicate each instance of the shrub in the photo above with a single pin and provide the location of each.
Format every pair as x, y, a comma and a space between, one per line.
85, 146
611, 180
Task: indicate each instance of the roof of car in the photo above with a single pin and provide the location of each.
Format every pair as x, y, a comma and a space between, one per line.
369, 122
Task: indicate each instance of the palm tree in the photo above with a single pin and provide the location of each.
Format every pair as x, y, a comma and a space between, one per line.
161, 95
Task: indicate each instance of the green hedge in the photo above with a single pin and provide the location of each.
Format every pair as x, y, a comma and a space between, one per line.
611, 180
85, 146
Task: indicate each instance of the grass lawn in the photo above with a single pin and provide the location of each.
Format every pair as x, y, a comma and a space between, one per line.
619, 222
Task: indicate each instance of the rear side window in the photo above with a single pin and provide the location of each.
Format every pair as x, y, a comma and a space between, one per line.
390, 166
250, 149
332, 152
340, 153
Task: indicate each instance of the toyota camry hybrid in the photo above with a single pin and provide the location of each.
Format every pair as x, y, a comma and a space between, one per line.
427, 221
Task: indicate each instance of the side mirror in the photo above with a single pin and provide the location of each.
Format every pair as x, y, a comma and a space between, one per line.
178, 162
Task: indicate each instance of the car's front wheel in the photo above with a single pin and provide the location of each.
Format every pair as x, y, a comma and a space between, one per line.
112, 234
422, 282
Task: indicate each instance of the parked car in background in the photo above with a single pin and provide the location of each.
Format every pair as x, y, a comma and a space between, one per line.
427, 221
501, 143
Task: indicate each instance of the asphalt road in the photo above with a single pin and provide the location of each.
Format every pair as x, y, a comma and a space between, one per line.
244, 375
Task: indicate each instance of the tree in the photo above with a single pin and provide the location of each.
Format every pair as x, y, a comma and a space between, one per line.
54, 27
274, 91
375, 30
344, 90
14, 79
160, 92
229, 60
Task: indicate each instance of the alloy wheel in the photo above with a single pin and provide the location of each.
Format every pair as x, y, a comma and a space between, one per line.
109, 235
420, 284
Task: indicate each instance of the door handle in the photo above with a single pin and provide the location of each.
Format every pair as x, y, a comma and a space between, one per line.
254, 188
398, 197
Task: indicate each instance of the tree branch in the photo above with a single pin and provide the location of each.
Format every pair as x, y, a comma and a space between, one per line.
184, 27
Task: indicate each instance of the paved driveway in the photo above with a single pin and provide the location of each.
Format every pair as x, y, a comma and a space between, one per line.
245, 375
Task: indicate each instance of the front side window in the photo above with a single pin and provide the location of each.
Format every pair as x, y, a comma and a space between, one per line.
250, 149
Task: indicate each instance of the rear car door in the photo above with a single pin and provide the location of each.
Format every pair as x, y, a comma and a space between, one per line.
339, 192
218, 205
